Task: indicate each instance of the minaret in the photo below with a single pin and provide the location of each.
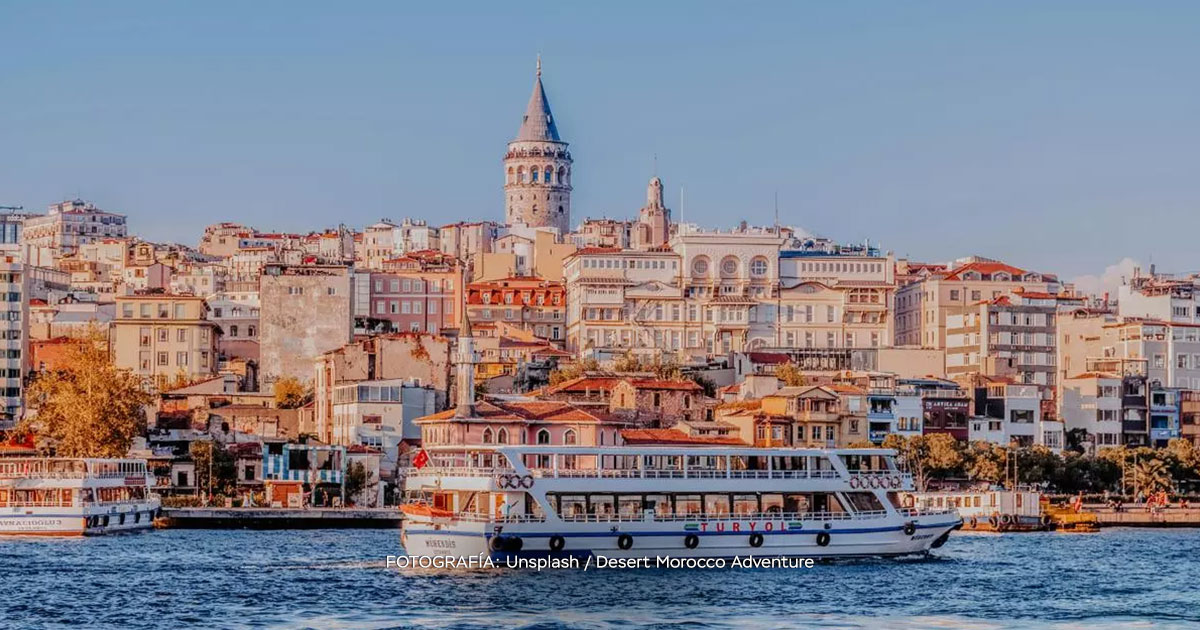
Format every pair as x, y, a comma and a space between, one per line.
464, 406
537, 168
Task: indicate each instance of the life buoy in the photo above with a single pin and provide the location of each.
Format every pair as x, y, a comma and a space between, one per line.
121, 520
504, 481
691, 541
897, 481
624, 541
974, 522
527, 482
823, 539
496, 543
994, 520
872, 482
910, 528
557, 543
756, 540
1047, 521
855, 482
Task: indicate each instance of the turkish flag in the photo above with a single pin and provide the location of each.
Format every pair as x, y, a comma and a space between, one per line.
420, 460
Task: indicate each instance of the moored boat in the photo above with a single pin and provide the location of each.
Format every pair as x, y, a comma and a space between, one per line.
632, 502
74, 496
989, 510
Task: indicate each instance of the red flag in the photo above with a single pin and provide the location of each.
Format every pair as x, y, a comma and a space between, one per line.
420, 460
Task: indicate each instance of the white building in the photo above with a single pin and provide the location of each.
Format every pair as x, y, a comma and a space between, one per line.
1092, 401
67, 226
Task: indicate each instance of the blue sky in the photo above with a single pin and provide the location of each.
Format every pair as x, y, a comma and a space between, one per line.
1059, 136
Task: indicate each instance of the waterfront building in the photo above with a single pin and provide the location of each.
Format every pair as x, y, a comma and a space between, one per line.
420, 360
1091, 401
1189, 416
537, 168
1010, 334
380, 413
66, 227
237, 311
1009, 413
222, 239
305, 312
528, 304
1160, 297
164, 338
419, 292
924, 304
464, 240
14, 336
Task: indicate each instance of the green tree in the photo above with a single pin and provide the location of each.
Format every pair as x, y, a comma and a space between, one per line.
790, 375
945, 458
1152, 475
986, 462
356, 480
290, 393
209, 455
89, 408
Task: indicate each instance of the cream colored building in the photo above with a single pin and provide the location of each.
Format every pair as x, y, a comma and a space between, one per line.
164, 337
923, 305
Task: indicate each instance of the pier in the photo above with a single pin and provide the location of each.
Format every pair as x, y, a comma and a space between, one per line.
1139, 516
278, 518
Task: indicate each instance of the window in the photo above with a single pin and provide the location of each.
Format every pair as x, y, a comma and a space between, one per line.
502, 436
758, 267
162, 358
569, 437
543, 437
233, 330
487, 435
181, 358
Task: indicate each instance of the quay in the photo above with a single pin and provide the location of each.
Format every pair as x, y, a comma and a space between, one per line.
1139, 516
278, 518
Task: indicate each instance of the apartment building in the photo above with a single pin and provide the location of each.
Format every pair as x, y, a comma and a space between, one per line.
932, 295
164, 338
833, 298
419, 292
237, 310
1161, 297
306, 311
1010, 334
1092, 401
529, 304
65, 227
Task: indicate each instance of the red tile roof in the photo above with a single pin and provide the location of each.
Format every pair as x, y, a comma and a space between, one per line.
985, 268
675, 437
655, 383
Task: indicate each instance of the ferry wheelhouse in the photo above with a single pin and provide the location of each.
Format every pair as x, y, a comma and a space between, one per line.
74, 496
691, 501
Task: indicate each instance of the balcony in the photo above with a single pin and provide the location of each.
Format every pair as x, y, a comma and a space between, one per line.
881, 415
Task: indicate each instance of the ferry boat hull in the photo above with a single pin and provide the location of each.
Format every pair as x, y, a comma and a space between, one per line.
647, 539
57, 522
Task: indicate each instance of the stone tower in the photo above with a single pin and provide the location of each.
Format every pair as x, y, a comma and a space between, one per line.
537, 168
654, 220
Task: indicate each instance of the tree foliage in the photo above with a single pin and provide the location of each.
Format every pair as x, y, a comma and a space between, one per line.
223, 467
356, 480
573, 370
290, 393
790, 374
89, 408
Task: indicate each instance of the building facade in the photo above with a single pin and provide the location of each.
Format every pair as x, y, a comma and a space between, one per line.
306, 311
164, 338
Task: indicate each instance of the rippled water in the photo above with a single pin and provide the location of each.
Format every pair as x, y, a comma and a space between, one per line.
329, 579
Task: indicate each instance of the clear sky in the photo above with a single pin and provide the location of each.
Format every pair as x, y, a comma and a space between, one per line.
1059, 136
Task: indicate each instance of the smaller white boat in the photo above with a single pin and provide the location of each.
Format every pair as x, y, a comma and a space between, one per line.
74, 496
989, 510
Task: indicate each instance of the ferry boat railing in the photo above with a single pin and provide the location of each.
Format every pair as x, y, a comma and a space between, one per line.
675, 518
628, 473
925, 511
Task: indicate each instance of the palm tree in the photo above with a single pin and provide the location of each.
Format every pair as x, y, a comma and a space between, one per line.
1152, 476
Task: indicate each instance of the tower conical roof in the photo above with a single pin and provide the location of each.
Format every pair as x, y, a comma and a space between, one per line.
538, 123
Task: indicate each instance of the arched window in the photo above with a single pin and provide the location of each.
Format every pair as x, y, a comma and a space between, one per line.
252, 330
510, 175
533, 173
562, 173
560, 209
549, 175
569, 437
543, 437
487, 435
520, 174
758, 267
502, 436
729, 266
233, 330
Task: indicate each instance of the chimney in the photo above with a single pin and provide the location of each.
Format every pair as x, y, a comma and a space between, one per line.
465, 405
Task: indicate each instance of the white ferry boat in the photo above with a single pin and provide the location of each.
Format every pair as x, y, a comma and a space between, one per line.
74, 496
649, 501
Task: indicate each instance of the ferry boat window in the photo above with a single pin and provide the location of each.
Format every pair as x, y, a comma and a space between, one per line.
660, 503
978, 501
745, 504
772, 503
532, 508
716, 504
797, 503
629, 505
688, 505
602, 504
572, 505
864, 502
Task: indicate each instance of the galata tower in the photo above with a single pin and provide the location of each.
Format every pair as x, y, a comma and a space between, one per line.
537, 168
